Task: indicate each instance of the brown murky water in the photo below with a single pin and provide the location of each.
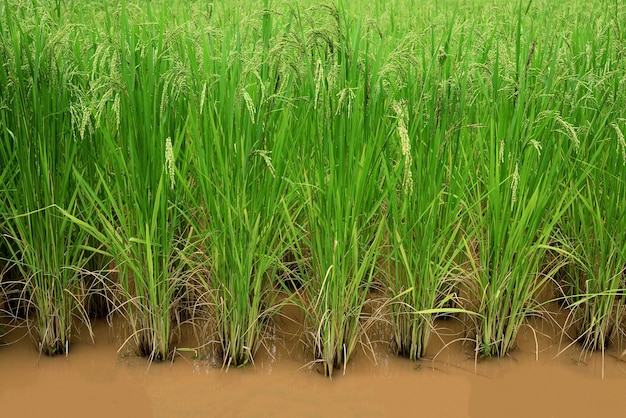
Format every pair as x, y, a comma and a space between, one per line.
95, 381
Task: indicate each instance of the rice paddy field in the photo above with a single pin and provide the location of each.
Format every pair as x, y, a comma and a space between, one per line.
197, 169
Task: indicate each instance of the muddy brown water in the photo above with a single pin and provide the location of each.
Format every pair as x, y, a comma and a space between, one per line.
539, 379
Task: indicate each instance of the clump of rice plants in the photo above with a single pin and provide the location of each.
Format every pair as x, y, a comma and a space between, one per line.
516, 166
242, 195
40, 153
343, 232
592, 228
513, 235
241, 148
340, 224
425, 212
593, 231
427, 208
140, 218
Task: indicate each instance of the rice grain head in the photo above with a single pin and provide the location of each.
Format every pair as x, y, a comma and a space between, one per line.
346, 96
570, 131
249, 104
621, 145
514, 184
169, 161
319, 72
268, 160
202, 97
405, 145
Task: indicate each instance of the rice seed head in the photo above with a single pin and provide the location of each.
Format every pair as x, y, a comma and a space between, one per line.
100, 107
536, 145
346, 96
333, 76
169, 161
319, 73
530, 55
116, 109
405, 144
261, 84
81, 118
249, 104
268, 160
569, 131
164, 96
443, 56
621, 143
514, 184
202, 97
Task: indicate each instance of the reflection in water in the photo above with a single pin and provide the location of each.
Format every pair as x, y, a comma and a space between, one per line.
95, 381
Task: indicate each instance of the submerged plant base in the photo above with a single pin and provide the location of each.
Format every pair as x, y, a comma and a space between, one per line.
597, 335
410, 349
151, 344
325, 366
146, 351
53, 340
53, 349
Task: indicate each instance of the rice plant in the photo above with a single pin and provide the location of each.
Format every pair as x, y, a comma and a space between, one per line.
140, 205
518, 162
424, 224
514, 235
339, 227
241, 150
41, 154
593, 230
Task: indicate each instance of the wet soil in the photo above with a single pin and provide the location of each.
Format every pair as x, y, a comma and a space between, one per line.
541, 378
